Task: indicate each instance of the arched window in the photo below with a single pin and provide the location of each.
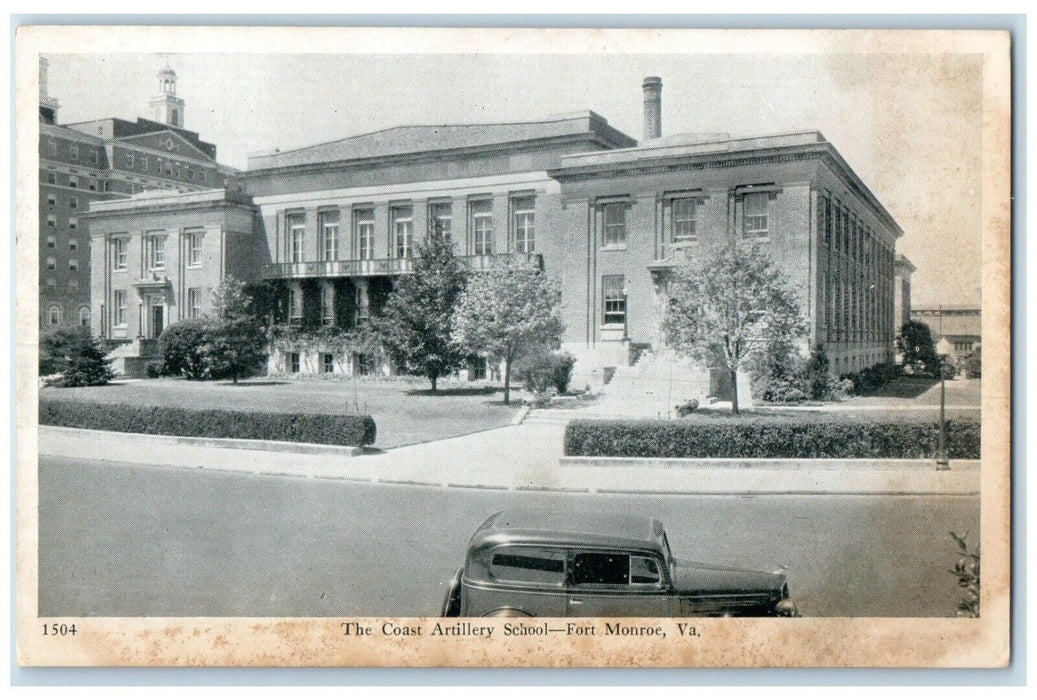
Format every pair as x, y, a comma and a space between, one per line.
54, 315
176, 117
84, 316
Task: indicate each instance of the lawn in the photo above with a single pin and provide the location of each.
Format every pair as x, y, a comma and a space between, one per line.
405, 412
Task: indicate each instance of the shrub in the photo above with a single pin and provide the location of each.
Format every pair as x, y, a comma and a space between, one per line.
542, 371
818, 374
181, 347
687, 408
153, 370
768, 437
77, 356
354, 430
871, 379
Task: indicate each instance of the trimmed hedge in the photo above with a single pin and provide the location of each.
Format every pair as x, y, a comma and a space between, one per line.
191, 422
769, 437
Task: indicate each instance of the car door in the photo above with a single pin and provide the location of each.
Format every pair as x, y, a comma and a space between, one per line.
608, 583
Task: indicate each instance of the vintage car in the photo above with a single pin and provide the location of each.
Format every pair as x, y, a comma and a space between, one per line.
531, 563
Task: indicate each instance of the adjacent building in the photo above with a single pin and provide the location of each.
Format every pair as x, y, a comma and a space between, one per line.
334, 224
903, 268
103, 160
955, 329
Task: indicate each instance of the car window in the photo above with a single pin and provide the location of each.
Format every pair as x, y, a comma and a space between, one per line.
643, 570
528, 565
607, 568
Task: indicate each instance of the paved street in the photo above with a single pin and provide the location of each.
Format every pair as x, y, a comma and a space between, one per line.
125, 540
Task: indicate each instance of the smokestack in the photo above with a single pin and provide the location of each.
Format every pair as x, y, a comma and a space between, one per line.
653, 88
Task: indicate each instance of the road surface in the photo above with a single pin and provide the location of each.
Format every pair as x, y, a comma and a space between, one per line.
127, 540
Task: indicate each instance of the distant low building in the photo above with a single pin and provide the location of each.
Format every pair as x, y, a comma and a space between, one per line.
955, 329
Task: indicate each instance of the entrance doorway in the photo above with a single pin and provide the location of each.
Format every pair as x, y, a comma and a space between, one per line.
158, 318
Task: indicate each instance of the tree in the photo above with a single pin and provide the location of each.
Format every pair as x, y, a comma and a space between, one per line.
181, 346
510, 310
235, 344
728, 305
77, 355
818, 373
915, 343
415, 323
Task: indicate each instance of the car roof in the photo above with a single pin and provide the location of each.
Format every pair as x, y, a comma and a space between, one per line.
597, 529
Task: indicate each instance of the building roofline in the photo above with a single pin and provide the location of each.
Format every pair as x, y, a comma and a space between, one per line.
667, 153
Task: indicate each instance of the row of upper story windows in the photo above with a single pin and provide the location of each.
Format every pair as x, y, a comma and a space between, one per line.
482, 227
76, 182
843, 232
52, 222
52, 263
51, 283
141, 162
681, 218
154, 250
76, 153
73, 243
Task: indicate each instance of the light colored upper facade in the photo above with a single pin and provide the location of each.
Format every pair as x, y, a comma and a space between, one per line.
103, 160
632, 215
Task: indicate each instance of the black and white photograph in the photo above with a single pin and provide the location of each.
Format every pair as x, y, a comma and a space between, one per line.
508, 347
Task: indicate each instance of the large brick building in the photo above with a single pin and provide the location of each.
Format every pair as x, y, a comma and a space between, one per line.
102, 160
609, 216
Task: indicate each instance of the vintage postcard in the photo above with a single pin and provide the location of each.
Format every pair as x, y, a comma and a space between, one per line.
513, 347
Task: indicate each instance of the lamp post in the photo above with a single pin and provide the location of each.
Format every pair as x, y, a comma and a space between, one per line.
942, 463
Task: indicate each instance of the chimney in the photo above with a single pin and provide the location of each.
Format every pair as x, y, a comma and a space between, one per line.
653, 88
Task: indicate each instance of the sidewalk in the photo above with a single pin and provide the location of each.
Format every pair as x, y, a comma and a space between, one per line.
527, 456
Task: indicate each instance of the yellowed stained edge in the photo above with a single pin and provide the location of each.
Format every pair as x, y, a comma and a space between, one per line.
832, 642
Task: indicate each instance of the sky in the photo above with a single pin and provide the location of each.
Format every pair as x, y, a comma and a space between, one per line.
908, 124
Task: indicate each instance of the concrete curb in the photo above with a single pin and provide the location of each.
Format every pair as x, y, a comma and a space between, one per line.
919, 465
512, 459
305, 448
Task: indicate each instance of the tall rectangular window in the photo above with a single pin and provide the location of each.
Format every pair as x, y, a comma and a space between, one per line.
614, 222
73, 202
129, 160
73, 264
327, 362
156, 251
402, 231
296, 237
364, 222
294, 305
119, 253
523, 224
52, 221
327, 305
120, 307
614, 301
52, 263
756, 222
73, 223
683, 223
194, 302
195, 240
73, 151
329, 235
482, 226
440, 216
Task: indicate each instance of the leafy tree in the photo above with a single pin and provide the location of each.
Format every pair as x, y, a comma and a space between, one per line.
728, 305
181, 346
509, 311
235, 344
77, 355
915, 343
415, 323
